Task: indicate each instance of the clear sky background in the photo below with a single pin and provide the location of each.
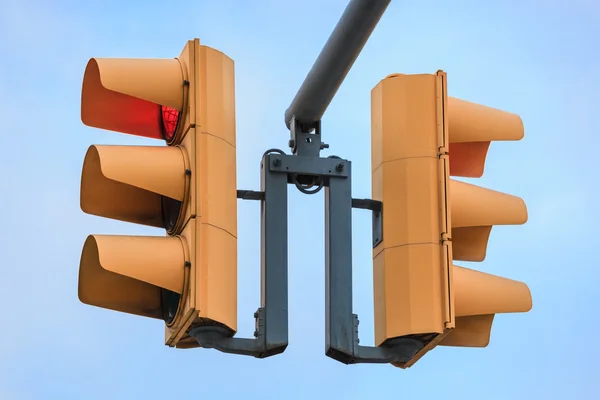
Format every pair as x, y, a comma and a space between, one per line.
539, 59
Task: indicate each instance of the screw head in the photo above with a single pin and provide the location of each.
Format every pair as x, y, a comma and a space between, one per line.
277, 162
339, 167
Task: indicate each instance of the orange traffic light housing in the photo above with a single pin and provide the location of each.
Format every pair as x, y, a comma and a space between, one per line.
421, 137
188, 187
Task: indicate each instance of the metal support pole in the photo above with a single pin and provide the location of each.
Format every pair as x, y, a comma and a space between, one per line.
271, 333
341, 324
274, 258
335, 60
340, 337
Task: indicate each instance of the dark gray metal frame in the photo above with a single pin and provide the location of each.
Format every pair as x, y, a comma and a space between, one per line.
310, 173
341, 324
271, 319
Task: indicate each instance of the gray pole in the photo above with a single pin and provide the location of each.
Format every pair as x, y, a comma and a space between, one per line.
335, 60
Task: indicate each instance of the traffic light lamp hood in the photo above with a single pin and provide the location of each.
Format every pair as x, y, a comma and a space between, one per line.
128, 95
129, 183
477, 298
127, 273
472, 128
474, 211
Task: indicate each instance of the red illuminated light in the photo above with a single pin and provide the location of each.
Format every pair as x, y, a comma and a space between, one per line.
170, 118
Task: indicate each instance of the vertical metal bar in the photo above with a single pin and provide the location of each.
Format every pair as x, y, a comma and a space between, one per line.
339, 322
274, 257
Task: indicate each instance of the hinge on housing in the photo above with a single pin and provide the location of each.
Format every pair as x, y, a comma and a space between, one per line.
446, 239
446, 242
442, 151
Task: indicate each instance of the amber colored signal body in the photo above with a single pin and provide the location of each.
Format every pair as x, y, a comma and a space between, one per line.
188, 187
420, 137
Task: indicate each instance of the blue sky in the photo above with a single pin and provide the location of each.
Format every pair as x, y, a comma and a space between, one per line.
536, 58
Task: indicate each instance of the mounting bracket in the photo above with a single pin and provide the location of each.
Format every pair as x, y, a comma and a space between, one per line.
271, 319
303, 142
341, 326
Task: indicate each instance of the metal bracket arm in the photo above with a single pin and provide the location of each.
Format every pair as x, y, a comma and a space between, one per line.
271, 334
399, 351
341, 324
250, 195
216, 337
377, 208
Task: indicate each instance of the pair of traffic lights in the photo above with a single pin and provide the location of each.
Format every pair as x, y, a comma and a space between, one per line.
420, 137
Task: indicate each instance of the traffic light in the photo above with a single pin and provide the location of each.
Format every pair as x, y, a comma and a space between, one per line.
187, 277
421, 137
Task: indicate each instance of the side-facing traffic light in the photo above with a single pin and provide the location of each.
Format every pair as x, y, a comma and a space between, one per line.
420, 137
188, 187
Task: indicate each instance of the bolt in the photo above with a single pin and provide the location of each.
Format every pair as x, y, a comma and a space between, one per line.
256, 314
339, 167
292, 143
277, 162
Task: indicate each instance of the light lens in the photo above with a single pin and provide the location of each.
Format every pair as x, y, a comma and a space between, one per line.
170, 119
